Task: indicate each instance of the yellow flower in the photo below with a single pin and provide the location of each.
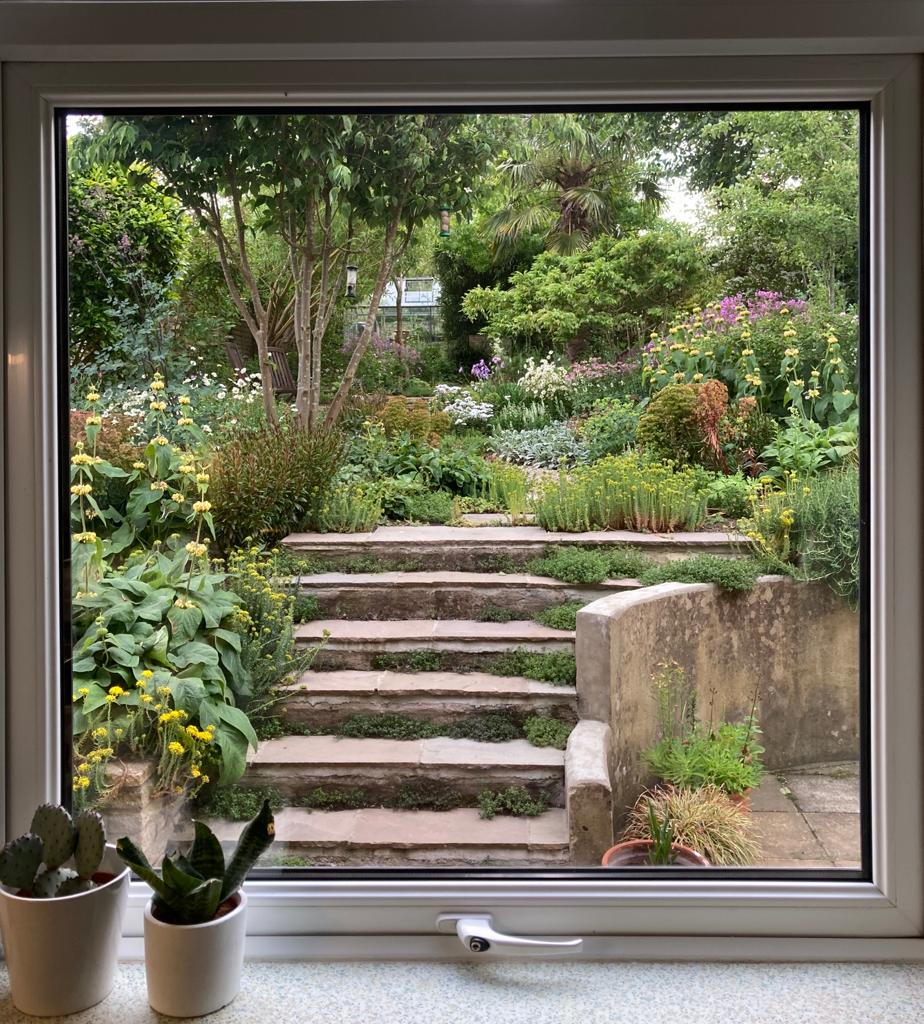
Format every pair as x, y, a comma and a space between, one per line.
183, 399
146, 698
202, 478
175, 748
111, 698
789, 333
160, 439
117, 690
196, 549
89, 537
164, 691
187, 468
194, 771
747, 351
138, 465
791, 352
92, 396
94, 421
184, 421
159, 485
201, 507
81, 782
148, 674
82, 459
178, 498
81, 489
101, 733
157, 384
158, 406
831, 339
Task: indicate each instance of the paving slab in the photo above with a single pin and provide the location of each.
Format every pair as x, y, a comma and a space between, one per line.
785, 839
769, 796
839, 835
429, 629
441, 683
506, 534
823, 793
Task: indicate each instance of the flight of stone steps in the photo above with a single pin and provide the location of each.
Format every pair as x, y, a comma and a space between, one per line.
413, 643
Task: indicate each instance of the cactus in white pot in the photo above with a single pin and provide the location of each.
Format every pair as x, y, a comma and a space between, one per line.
61, 889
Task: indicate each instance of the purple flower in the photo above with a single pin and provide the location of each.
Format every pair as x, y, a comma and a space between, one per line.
481, 370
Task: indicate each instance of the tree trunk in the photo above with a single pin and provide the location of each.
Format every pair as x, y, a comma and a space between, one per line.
399, 298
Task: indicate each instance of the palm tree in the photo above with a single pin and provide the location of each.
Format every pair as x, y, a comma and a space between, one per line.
572, 177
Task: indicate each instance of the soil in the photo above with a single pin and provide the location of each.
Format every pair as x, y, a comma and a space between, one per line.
225, 908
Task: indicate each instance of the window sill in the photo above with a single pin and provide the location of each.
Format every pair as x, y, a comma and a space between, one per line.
536, 990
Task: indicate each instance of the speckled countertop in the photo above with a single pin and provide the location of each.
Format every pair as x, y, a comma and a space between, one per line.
537, 992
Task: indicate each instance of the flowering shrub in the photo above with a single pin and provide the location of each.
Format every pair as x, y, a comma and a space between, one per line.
547, 447
622, 492
461, 405
545, 379
783, 353
593, 379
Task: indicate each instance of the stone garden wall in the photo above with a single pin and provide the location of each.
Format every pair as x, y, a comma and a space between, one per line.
798, 641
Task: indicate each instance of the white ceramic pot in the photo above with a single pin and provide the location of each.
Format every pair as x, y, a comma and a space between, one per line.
61, 953
194, 969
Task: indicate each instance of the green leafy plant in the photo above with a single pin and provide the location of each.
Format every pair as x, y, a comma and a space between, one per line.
573, 564
560, 616
514, 800
53, 840
239, 803
547, 667
661, 834
610, 428
667, 429
422, 660
805, 448
547, 732
702, 819
727, 573
547, 447
191, 888
494, 613
622, 493
349, 508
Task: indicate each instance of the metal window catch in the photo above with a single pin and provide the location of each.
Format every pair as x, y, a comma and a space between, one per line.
477, 933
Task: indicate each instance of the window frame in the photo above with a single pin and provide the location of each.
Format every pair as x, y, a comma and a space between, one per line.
882, 918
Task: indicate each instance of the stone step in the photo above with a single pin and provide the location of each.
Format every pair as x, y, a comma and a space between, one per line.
487, 548
385, 838
466, 643
445, 595
325, 699
296, 765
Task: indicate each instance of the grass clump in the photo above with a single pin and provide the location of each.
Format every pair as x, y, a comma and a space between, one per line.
547, 732
622, 492
561, 616
514, 801
702, 819
422, 660
321, 799
240, 803
727, 573
349, 508
545, 666
425, 795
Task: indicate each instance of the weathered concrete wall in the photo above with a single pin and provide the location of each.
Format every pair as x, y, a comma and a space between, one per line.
798, 642
134, 807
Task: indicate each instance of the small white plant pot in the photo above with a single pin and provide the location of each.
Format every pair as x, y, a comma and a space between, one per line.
194, 969
61, 953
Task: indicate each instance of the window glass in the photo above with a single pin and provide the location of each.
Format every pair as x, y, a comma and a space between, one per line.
550, 557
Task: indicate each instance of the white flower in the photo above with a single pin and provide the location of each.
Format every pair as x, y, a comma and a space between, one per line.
544, 379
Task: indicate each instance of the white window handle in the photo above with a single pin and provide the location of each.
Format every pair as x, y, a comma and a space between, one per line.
476, 932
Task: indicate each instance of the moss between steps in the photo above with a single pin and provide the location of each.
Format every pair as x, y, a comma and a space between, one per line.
548, 667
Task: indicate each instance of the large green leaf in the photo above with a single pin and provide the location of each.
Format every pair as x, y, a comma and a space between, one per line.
184, 622
194, 653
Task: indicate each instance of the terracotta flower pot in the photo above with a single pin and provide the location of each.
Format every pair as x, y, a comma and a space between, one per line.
61, 952
634, 853
194, 969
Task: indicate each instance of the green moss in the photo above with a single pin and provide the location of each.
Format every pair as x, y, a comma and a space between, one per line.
426, 795
422, 660
572, 564
561, 616
494, 613
547, 732
306, 608
547, 667
321, 799
514, 801
492, 728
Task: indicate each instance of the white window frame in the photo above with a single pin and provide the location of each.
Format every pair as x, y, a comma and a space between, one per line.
786, 919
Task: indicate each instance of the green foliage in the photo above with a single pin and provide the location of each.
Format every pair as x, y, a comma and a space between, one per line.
610, 429
726, 757
191, 888
126, 237
521, 416
400, 417
422, 660
239, 803
561, 616
608, 295
667, 428
729, 495
662, 837
306, 608
547, 447
573, 564
349, 508
547, 732
702, 819
727, 573
268, 482
321, 799
507, 489
805, 448
412, 502
622, 493
426, 795
514, 800
547, 667
494, 613
827, 531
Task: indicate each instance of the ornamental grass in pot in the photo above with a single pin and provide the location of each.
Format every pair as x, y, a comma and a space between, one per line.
62, 897
194, 925
656, 849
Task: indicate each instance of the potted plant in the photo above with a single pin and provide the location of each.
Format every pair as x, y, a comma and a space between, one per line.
194, 925
62, 891
703, 819
657, 848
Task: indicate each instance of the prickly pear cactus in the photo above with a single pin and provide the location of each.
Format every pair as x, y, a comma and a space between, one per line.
20, 859
56, 830
74, 886
91, 841
48, 882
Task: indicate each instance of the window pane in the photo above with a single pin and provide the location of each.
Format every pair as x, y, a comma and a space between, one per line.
552, 549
